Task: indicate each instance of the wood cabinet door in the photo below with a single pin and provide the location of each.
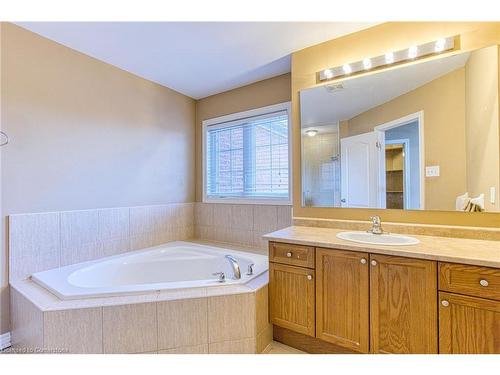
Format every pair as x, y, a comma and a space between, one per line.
342, 292
468, 325
403, 305
291, 298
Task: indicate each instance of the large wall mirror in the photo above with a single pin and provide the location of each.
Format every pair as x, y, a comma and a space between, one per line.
420, 137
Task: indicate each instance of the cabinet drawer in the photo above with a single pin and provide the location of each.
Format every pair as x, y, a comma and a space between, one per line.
471, 280
296, 255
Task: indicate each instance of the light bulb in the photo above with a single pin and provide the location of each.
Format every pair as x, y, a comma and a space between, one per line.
389, 58
311, 132
347, 69
412, 52
328, 73
367, 63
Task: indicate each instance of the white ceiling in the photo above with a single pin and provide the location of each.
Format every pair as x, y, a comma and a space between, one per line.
197, 59
319, 106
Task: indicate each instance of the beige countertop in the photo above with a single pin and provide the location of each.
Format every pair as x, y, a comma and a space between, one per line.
456, 250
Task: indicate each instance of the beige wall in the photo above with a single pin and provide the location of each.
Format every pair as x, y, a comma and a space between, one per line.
481, 80
442, 102
260, 94
85, 134
373, 42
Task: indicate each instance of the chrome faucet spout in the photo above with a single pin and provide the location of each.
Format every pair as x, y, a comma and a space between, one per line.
235, 266
376, 225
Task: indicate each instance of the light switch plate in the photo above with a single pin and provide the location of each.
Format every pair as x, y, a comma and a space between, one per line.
432, 171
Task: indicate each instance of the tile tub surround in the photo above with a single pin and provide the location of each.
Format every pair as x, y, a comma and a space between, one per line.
205, 320
42, 241
242, 224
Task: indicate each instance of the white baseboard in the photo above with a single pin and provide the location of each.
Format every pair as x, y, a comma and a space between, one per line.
4, 341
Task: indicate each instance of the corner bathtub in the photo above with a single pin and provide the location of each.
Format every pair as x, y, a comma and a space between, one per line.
173, 265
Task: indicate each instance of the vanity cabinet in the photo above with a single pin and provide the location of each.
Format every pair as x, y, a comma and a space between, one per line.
342, 298
469, 309
291, 298
328, 300
468, 325
403, 305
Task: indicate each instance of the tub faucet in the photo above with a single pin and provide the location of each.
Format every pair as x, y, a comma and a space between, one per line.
235, 266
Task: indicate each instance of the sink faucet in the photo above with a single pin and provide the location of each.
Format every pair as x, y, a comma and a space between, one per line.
234, 266
376, 225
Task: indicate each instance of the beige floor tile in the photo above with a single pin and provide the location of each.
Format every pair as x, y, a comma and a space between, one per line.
197, 349
73, 331
182, 323
264, 338
130, 328
231, 317
279, 348
244, 346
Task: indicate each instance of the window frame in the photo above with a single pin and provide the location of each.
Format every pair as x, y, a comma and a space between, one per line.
241, 116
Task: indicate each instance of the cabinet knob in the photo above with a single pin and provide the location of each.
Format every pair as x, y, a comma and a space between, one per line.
484, 282
445, 303
309, 277
289, 254
374, 262
363, 261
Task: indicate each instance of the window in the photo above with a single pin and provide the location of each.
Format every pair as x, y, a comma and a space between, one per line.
246, 156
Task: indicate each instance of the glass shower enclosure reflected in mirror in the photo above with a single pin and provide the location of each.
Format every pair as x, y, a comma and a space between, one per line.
321, 166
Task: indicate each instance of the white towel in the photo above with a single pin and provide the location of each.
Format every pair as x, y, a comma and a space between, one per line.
478, 201
462, 201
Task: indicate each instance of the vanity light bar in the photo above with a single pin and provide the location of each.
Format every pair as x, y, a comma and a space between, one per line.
390, 58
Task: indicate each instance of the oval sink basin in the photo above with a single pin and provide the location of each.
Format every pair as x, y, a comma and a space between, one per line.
378, 239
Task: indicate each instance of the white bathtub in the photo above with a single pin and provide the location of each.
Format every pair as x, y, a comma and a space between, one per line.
170, 266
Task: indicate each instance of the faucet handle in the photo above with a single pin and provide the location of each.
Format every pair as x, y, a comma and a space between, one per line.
250, 269
222, 276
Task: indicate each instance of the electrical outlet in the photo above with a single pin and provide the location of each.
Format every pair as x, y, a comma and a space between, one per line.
432, 171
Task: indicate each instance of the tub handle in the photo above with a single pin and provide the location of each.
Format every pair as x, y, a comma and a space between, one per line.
250, 269
222, 277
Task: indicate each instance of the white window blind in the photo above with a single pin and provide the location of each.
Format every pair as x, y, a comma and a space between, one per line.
248, 158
